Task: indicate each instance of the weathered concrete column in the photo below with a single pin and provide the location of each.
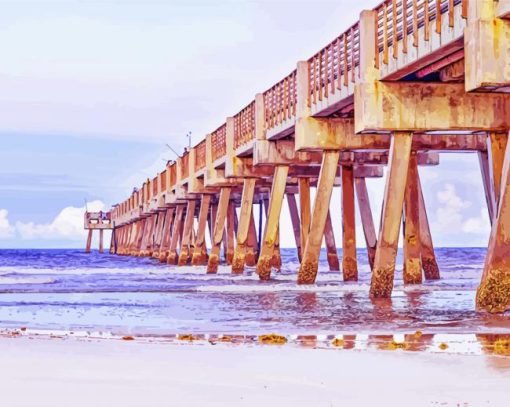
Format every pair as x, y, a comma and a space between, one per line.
349, 261
167, 232
367, 220
412, 246
252, 250
158, 234
172, 250
89, 241
230, 231
245, 219
200, 252
483, 159
496, 147
493, 294
294, 217
272, 222
329, 238
396, 179
219, 227
305, 210
310, 262
101, 236
428, 257
184, 254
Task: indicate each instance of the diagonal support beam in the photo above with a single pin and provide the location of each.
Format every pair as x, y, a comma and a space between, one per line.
367, 219
310, 262
200, 252
384, 265
245, 219
265, 261
219, 227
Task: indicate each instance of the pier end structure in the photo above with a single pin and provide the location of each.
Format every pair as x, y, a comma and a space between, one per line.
100, 221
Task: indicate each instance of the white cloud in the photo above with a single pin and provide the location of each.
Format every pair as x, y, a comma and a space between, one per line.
478, 225
6, 229
68, 224
449, 216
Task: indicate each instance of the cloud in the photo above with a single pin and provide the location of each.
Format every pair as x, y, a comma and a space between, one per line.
6, 229
451, 217
478, 225
68, 225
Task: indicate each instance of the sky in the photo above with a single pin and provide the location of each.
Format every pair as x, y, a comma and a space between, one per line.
91, 91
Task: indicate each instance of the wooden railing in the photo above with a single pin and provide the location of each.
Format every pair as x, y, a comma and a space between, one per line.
173, 174
162, 179
200, 156
280, 101
244, 125
400, 19
185, 166
155, 186
218, 141
333, 67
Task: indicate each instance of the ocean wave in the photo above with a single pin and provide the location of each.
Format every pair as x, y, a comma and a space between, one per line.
27, 280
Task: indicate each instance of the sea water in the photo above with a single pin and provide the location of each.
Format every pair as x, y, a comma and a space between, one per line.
73, 291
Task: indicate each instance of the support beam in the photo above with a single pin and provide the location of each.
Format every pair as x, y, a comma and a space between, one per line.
367, 220
427, 106
496, 147
101, 236
172, 250
184, 254
349, 261
386, 253
231, 232
252, 251
243, 229
428, 257
200, 252
412, 247
310, 262
294, 217
219, 227
89, 241
483, 159
305, 209
272, 222
493, 294
167, 234
329, 237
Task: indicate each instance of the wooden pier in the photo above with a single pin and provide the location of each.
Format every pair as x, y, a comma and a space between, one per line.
409, 80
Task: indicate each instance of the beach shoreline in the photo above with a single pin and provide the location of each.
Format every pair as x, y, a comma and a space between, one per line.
82, 371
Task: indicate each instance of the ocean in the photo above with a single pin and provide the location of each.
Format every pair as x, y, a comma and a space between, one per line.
68, 290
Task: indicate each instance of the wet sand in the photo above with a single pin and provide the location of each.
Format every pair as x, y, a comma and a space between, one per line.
39, 371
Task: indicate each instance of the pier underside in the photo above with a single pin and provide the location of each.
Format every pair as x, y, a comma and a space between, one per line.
436, 79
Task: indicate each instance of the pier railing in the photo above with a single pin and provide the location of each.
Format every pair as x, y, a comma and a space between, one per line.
401, 27
244, 126
219, 142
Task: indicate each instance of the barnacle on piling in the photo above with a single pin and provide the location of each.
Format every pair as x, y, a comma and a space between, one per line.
502, 347
393, 345
272, 339
338, 342
186, 337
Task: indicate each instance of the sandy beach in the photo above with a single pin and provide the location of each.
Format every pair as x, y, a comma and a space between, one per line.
86, 372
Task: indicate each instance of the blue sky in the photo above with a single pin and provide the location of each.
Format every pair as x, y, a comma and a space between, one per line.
92, 90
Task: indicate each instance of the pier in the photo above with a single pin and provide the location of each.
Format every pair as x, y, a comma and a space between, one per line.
411, 79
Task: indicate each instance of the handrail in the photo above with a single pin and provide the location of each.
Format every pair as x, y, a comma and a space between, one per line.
244, 125
219, 142
200, 160
280, 101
